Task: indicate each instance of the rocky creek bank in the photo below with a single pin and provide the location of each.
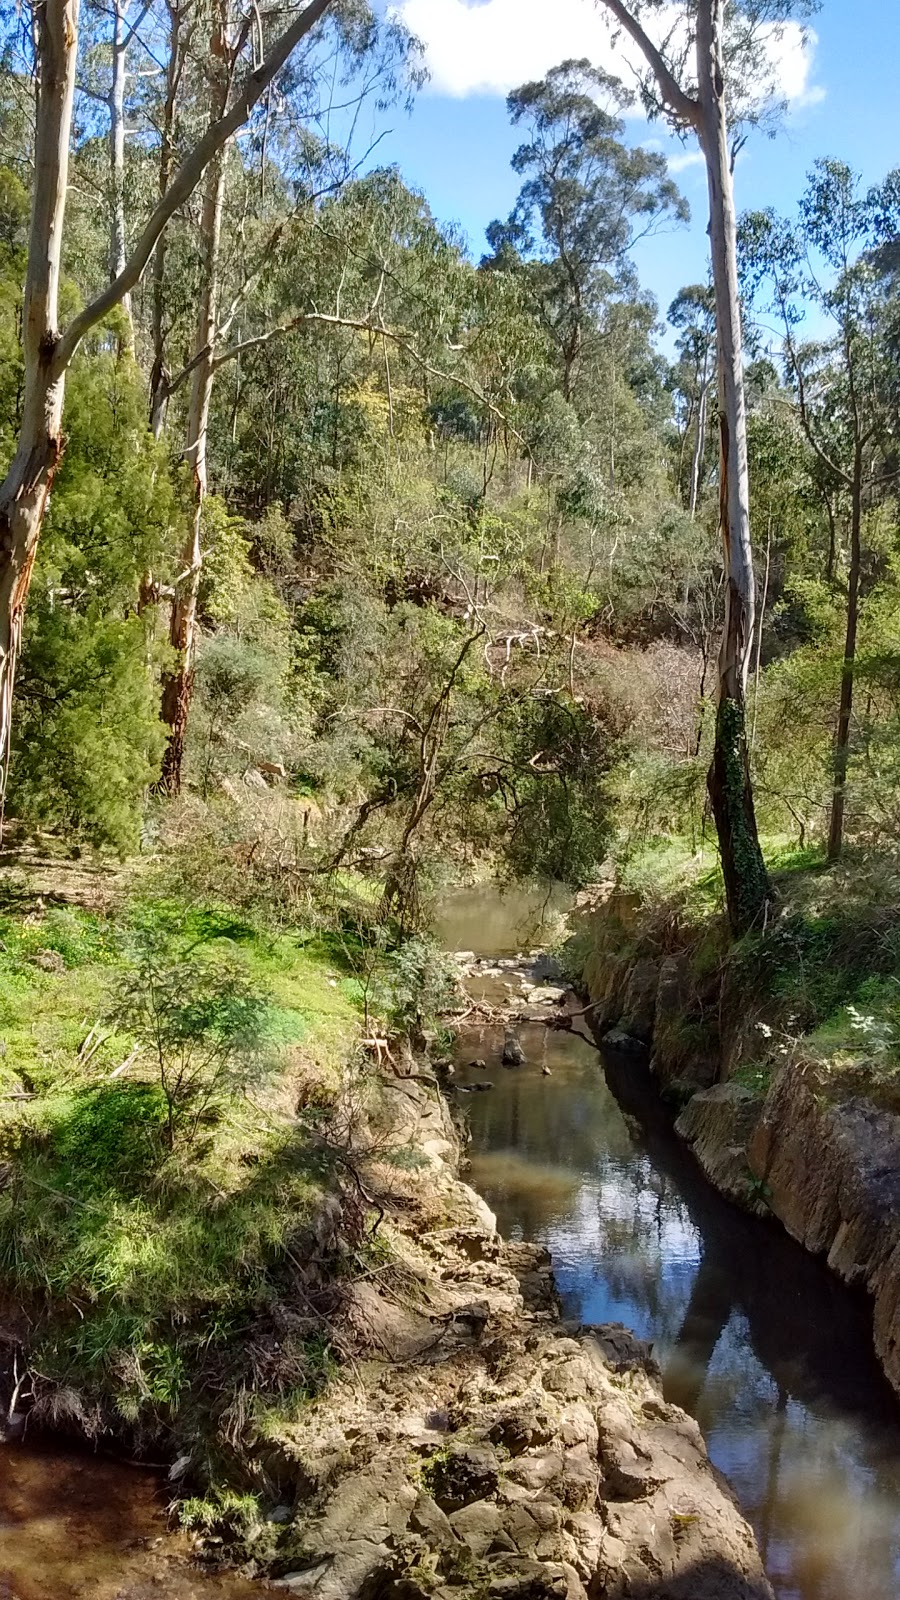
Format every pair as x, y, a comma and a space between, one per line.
472, 1445
797, 1139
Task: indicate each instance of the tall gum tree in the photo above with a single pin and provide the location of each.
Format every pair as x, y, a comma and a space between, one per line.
844, 383
687, 79
586, 200
47, 350
177, 686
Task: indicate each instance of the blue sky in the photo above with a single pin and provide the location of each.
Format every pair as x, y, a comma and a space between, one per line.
457, 142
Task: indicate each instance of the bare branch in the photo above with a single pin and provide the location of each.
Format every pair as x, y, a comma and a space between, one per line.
681, 105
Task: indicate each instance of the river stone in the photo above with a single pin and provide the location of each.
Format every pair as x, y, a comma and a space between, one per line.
428, 1518
477, 1525
523, 1579
625, 1043
513, 1054
468, 1472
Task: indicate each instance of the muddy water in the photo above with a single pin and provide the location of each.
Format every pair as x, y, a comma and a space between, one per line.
756, 1339
75, 1525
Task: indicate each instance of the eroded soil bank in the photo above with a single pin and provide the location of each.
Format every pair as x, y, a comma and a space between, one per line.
755, 1336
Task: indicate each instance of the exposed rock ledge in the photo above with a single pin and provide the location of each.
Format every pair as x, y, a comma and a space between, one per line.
830, 1165
476, 1448
812, 1152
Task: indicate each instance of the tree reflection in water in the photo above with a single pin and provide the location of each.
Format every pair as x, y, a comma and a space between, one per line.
757, 1340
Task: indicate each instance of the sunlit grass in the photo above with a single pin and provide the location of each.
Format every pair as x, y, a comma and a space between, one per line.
138, 1264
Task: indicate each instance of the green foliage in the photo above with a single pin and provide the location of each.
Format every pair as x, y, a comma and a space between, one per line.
88, 737
562, 755
170, 1259
112, 1137
419, 984
200, 1019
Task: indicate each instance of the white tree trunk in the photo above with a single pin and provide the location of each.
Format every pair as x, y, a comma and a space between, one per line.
746, 883
117, 245
700, 440
178, 684
24, 494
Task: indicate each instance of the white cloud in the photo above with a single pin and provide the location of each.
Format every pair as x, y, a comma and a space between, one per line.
689, 158
492, 46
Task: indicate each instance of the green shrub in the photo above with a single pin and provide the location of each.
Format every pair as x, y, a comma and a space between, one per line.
199, 1017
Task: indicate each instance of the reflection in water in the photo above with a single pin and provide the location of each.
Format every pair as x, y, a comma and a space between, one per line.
760, 1342
493, 923
74, 1525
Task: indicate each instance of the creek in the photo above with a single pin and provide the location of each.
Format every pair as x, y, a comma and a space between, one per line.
756, 1339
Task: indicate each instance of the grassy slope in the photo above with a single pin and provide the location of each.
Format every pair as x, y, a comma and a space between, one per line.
135, 1276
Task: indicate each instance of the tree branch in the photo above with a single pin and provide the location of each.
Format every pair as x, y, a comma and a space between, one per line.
679, 104
185, 181
359, 325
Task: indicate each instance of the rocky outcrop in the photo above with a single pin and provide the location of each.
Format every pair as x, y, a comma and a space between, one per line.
830, 1163
718, 1124
474, 1447
642, 992
639, 1000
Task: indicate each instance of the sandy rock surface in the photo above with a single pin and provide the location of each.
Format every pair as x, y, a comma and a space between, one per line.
476, 1448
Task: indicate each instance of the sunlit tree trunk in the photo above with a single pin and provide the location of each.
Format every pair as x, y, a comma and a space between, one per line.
24, 494
700, 440
747, 888
746, 882
845, 706
178, 684
117, 252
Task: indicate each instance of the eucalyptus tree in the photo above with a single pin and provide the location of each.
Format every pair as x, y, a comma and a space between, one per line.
692, 313
587, 197
260, 47
844, 382
702, 59
265, 212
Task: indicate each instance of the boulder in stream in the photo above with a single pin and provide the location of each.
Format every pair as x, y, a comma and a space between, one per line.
513, 1054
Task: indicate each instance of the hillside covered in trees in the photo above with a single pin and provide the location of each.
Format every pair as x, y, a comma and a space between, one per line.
411, 548
343, 561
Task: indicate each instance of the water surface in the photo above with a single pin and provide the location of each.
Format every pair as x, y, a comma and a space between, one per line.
769, 1352
78, 1526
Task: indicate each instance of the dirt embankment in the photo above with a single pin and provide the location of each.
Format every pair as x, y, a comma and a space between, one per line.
473, 1447
799, 1142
